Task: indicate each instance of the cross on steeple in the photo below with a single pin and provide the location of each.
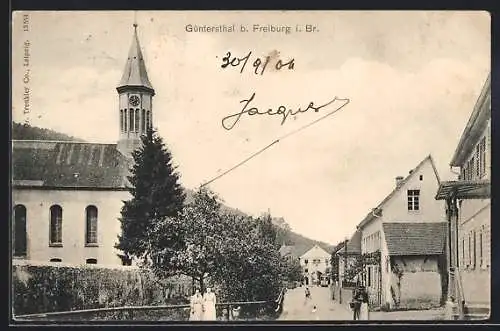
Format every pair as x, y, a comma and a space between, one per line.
135, 20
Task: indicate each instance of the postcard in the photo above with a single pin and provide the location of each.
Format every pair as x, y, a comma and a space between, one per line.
278, 166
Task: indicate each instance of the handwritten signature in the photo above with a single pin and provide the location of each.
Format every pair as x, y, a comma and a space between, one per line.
282, 111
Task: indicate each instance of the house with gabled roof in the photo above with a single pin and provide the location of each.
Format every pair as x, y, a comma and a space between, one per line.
403, 242
347, 256
315, 263
468, 206
67, 195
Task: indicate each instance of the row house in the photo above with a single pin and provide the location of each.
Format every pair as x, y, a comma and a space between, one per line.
468, 209
401, 243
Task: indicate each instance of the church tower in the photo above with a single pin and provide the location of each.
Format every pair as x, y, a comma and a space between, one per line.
135, 94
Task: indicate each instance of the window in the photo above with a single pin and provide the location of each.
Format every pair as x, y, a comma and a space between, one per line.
143, 121
478, 161
137, 120
471, 168
306, 261
462, 175
91, 261
474, 249
121, 120
148, 119
463, 250
481, 251
421, 177
369, 273
470, 250
487, 245
56, 225
55, 260
413, 199
482, 157
19, 230
131, 122
125, 123
306, 270
91, 225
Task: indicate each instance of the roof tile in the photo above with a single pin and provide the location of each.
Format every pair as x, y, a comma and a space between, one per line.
408, 238
69, 164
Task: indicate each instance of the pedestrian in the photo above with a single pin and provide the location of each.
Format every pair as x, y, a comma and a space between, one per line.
364, 313
196, 305
314, 310
355, 304
308, 295
209, 301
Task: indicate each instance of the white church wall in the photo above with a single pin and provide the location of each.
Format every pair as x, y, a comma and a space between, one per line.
73, 203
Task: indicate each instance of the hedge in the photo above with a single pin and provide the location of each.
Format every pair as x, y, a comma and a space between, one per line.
49, 288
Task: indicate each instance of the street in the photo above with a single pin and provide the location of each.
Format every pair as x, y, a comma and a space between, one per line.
296, 307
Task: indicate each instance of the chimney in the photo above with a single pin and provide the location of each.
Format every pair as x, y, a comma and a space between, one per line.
399, 179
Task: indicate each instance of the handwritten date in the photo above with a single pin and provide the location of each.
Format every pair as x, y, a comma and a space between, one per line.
259, 64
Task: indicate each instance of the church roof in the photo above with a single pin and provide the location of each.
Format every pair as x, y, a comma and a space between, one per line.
135, 73
58, 164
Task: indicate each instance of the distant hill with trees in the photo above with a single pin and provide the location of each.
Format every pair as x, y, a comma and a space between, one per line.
22, 131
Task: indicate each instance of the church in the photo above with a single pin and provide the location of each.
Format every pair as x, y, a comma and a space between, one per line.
67, 196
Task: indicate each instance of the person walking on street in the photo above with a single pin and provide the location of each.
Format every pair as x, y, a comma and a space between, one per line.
355, 304
196, 305
308, 295
364, 312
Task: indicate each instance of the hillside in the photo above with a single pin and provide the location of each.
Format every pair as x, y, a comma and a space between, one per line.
27, 132
285, 235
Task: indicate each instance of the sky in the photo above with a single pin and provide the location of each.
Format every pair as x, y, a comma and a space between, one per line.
412, 79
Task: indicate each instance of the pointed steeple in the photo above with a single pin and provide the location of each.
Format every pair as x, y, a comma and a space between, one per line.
135, 74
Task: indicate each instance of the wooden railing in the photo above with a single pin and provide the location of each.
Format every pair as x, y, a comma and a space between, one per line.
156, 313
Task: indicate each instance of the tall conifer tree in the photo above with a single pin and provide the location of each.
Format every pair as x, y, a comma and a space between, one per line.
156, 197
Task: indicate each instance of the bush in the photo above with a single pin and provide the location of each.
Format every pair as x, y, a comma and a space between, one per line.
47, 288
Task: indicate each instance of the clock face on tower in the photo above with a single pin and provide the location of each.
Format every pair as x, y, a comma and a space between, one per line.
134, 100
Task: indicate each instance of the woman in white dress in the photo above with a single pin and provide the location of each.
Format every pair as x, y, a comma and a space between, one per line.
364, 312
196, 303
209, 301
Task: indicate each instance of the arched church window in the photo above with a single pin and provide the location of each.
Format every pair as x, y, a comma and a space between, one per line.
131, 128
19, 230
137, 120
143, 121
121, 120
91, 225
148, 119
125, 120
56, 225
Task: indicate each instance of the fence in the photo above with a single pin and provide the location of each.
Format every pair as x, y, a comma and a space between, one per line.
225, 311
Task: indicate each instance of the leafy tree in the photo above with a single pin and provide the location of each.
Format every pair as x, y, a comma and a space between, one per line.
201, 226
250, 262
157, 200
292, 271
